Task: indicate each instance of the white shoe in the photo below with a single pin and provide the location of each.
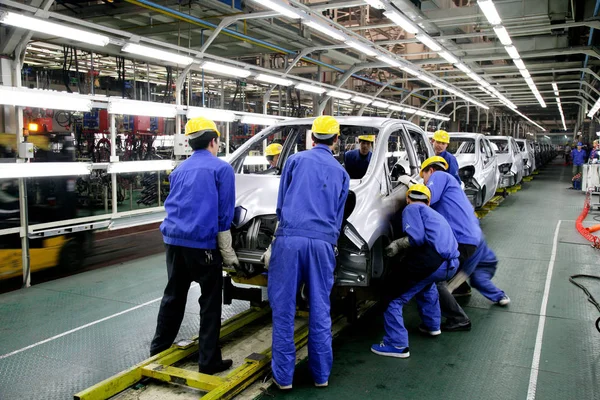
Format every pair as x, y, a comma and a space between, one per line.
426, 331
282, 387
319, 385
504, 301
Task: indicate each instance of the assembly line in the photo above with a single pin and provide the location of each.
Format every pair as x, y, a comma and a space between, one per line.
376, 199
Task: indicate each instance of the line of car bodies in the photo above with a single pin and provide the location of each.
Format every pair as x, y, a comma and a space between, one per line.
399, 149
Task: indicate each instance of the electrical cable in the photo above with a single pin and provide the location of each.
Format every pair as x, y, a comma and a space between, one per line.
590, 298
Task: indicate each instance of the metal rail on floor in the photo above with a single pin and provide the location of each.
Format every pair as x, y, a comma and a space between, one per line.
160, 366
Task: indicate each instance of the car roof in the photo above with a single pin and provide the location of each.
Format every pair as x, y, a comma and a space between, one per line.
374, 122
464, 134
500, 137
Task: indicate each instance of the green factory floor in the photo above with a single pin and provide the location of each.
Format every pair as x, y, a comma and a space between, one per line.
63, 336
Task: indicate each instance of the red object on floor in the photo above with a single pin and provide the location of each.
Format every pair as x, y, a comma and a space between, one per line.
579, 223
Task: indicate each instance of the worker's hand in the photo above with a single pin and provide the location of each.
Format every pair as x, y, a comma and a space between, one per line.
226, 248
397, 245
407, 181
266, 257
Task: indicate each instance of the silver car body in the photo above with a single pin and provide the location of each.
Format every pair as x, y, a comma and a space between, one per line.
528, 156
400, 148
478, 166
510, 160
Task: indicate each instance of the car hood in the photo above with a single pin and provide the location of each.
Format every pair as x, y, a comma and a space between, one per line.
504, 158
465, 159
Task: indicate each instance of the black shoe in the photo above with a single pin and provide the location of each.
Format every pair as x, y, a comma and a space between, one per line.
461, 326
215, 369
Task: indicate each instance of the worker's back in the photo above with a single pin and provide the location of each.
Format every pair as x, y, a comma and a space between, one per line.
312, 195
200, 203
448, 199
356, 164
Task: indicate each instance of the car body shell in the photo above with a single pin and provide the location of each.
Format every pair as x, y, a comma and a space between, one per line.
528, 155
372, 200
480, 185
513, 175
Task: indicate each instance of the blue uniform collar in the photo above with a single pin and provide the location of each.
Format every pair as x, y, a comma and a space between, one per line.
201, 153
323, 147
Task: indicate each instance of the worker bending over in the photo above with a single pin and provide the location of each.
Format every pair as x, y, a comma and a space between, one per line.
357, 161
310, 210
450, 201
432, 256
272, 153
441, 140
196, 233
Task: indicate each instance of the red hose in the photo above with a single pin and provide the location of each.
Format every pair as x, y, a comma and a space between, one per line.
594, 228
579, 223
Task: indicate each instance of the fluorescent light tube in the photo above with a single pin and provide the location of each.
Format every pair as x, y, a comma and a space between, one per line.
147, 108
43, 169
448, 57
157, 54
376, 4
555, 88
211, 113
396, 108
37, 98
310, 88
52, 29
402, 21
512, 51
410, 110
503, 35
440, 85
274, 80
281, 9
363, 49
332, 33
489, 10
474, 76
410, 70
252, 120
485, 84
427, 79
519, 64
390, 61
463, 68
530, 81
525, 73
380, 104
361, 100
429, 42
122, 167
339, 95
221, 69
420, 113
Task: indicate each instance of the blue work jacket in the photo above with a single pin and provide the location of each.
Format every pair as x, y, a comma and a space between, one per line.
356, 164
312, 195
425, 226
578, 157
448, 199
452, 164
200, 203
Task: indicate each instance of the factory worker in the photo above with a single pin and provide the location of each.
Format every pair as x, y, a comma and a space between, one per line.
431, 256
357, 161
310, 209
440, 142
578, 157
272, 153
200, 209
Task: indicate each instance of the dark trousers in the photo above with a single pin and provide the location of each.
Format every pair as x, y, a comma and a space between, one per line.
184, 265
450, 308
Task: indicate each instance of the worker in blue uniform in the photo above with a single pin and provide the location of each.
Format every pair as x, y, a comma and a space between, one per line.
357, 161
440, 142
578, 157
432, 256
310, 210
198, 242
450, 201
272, 153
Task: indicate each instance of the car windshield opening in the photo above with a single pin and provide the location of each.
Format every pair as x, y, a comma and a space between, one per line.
502, 145
461, 146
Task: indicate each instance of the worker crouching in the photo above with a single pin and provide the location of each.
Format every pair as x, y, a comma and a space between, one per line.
431, 256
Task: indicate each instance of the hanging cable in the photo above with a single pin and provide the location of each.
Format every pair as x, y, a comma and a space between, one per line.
590, 298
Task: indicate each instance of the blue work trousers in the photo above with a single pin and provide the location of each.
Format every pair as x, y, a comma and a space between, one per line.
296, 260
485, 269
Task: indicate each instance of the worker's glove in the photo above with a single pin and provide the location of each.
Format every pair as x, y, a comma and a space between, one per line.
407, 181
266, 257
396, 246
226, 248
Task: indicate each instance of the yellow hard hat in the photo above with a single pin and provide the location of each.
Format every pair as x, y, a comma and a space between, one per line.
273, 149
419, 192
441, 136
367, 138
435, 160
325, 126
195, 127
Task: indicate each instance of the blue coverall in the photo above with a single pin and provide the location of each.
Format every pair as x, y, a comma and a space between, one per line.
199, 206
578, 157
427, 230
452, 165
481, 268
356, 164
310, 210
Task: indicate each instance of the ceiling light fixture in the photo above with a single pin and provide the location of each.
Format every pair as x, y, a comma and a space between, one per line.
397, 108
361, 100
519, 64
402, 21
410, 70
310, 88
376, 4
146, 108
489, 10
157, 54
332, 33
252, 120
221, 69
339, 95
525, 73
281, 9
211, 113
37, 98
363, 49
380, 104
122, 167
512, 51
503, 35
43, 169
389, 61
429, 42
463, 68
273, 79
448, 57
